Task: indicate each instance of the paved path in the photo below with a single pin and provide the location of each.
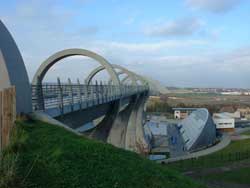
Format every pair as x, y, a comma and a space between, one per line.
225, 141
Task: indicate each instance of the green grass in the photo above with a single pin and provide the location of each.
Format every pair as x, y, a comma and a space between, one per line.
236, 151
246, 133
240, 176
50, 157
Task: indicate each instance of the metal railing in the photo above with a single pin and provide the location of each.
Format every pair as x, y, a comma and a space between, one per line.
47, 96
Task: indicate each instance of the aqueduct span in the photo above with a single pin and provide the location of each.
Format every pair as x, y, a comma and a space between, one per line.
118, 106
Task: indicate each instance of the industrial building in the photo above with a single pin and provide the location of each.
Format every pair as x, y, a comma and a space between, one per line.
225, 121
182, 113
197, 130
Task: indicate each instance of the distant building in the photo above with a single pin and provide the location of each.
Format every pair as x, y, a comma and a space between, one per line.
198, 130
231, 93
230, 109
244, 112
225, 121
182, 113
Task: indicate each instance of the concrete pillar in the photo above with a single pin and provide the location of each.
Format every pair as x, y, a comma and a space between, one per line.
135, 137
117, 135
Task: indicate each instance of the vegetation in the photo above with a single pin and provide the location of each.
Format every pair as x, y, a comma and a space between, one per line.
8, 161
240, 176
246, 133
49, 156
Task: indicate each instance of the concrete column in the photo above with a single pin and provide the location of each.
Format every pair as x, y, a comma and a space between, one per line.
135, 137
117, 134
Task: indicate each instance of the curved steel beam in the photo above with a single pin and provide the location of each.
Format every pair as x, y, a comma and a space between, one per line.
101, 68
47, 64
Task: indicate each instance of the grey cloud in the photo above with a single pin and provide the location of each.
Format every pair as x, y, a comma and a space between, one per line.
181, 27
215, 6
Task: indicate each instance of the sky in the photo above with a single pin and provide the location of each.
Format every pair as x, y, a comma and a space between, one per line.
183, 43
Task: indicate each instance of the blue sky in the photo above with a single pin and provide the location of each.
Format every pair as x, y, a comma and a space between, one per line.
187, 43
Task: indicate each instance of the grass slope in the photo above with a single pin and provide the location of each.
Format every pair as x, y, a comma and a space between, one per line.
50, 156
240, 176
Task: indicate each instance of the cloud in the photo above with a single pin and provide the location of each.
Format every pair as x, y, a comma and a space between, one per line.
41, 29
215, 6
181, 27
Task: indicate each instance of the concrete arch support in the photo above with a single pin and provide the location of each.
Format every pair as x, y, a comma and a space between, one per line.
117, 135
47, 64
13, 71
135, 138
101, 68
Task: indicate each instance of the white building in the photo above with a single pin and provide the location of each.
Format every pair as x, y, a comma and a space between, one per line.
225, 121
182, 113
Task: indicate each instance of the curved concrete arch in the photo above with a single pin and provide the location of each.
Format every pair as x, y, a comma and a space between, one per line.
101, 68
13, 71
138, 78
47, 64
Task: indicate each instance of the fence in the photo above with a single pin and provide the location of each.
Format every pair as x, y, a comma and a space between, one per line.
48, 96
7, 115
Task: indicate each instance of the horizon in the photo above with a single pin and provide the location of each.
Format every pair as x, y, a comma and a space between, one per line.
185, 43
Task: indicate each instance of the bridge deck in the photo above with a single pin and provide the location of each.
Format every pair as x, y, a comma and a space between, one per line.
57, 99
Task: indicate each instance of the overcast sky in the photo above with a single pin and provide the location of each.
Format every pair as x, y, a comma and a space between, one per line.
187, 43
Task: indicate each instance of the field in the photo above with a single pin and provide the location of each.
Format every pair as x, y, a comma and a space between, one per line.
207, 98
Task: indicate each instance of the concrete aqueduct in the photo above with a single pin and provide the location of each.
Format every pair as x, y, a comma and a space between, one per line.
116, 108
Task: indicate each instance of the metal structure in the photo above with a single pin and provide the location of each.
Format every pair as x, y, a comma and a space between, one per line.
198, 130
59, 99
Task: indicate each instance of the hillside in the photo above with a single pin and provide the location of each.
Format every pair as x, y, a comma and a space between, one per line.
51, 157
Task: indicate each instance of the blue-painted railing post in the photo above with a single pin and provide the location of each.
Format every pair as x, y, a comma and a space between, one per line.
96, 92
79, 93
40, 97
101, 92
71, 95
60, 96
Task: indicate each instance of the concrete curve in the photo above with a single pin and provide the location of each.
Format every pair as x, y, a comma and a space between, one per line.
101, 68
47, 64
13, 71
138, 78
